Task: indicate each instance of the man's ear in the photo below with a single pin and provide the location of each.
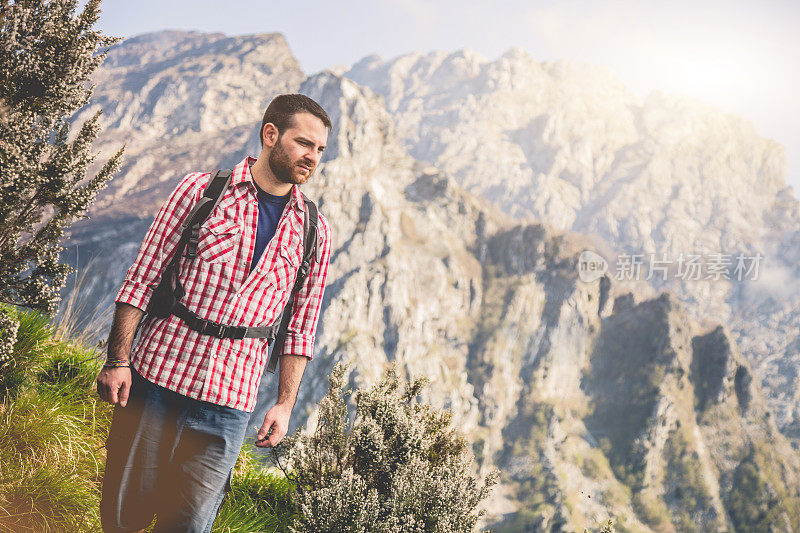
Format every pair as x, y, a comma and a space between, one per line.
269, 134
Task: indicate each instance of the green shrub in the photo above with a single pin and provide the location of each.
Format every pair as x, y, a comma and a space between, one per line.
652, 510
52, 428
27, 333
605, 527
8, 334
684, 472
398, 466
48, 53
760, 499
260, 500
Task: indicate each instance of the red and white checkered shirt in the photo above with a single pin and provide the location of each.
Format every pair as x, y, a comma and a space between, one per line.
220, 287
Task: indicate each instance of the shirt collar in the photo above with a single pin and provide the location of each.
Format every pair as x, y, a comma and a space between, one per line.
241, 174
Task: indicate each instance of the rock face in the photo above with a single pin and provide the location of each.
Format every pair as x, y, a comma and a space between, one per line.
595, 399
570, 145
183, 102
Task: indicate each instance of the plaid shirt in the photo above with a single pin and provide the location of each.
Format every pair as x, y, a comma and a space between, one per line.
220, 287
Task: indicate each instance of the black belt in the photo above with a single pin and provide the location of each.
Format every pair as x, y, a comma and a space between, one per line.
223, 331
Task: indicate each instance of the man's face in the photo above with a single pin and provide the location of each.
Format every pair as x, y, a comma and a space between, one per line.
298, 149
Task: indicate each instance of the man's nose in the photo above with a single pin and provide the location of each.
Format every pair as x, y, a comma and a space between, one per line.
313, 156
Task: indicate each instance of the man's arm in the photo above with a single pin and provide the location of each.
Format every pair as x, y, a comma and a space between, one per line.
308, 301
114, 384
299, 346
290, 372
159, 243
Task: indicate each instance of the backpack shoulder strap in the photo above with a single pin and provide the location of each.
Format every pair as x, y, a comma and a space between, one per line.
212, 194
190, 229
310, 241
310, 254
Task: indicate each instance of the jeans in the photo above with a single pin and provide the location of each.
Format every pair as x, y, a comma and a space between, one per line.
171, 456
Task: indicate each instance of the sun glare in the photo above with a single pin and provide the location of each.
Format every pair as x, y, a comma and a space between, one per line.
708, 74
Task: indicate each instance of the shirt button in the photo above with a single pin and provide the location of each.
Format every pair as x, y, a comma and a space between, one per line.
214, 356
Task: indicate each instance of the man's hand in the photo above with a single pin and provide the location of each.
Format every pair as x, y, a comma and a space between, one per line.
114, 385
277, 420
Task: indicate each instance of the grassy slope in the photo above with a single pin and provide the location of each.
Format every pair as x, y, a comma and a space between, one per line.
52, 434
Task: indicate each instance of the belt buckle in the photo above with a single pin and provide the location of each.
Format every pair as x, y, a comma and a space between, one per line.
223, 329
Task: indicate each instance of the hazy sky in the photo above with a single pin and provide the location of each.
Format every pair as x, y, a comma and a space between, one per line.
740, 56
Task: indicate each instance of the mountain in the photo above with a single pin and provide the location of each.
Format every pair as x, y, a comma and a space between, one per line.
596, 399
667, 175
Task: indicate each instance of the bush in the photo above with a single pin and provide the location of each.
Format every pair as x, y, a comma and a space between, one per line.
760, 499
605, 527
398, 466
652, 510
47, 55
52, 428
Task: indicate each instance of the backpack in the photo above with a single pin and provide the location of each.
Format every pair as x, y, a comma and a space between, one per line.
166, 297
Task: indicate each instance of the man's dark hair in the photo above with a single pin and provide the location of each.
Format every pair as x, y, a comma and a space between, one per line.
282, 109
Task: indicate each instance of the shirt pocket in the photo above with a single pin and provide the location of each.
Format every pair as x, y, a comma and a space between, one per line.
217, 240
285, 271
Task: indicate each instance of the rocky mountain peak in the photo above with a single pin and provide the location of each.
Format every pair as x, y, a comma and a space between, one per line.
182, 82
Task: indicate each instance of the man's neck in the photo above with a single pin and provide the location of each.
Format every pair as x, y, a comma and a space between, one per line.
265, 179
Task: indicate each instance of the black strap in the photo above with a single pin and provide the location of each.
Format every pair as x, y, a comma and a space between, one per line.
190, 232
199, 213
310, 253
222, 331
169, 290
191, 228
212, 195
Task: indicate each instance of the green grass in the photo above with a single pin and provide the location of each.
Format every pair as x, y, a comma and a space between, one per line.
760, 499
260, 500
51, 433
53, 428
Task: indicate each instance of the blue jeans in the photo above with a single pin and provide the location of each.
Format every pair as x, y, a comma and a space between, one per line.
171, 456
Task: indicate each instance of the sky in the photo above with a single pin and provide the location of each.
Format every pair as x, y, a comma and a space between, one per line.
742, 57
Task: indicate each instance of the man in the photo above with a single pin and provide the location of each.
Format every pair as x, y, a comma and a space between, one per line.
183, 398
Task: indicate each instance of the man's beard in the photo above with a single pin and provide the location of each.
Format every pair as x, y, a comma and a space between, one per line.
283, 167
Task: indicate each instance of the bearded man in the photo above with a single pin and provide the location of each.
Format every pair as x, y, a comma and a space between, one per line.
183, 396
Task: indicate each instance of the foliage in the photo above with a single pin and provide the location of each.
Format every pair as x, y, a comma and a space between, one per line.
652, 510
259, 500
47, 54
403, 460
52, 429
538, 489
52, 432
9, 328
24, 345
691, 494
605, 527
760, 499
398, 466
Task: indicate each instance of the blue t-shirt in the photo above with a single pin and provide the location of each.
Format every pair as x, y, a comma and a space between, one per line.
270, 209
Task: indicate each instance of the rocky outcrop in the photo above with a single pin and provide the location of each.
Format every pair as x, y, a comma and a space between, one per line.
665, 175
